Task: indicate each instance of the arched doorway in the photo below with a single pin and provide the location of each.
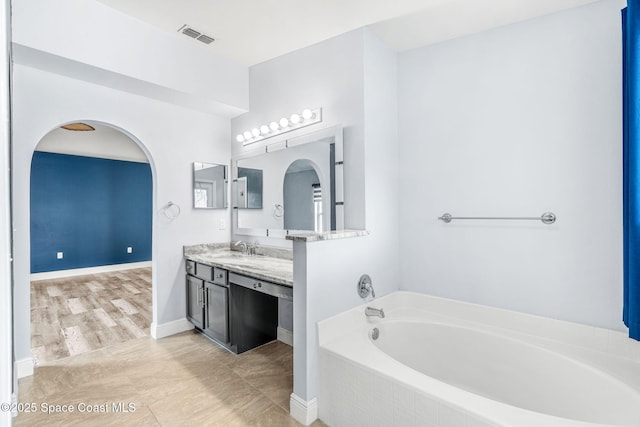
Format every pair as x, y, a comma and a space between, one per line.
91, 233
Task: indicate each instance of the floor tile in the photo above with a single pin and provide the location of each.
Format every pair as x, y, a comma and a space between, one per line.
182, 380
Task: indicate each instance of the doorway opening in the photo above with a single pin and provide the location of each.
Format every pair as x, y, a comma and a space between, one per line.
91, 241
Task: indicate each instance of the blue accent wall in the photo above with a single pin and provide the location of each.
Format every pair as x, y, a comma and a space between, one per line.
90, 209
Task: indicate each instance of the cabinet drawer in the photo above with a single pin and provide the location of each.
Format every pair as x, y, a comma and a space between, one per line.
219, 276
204, 271
190, 266
258, 285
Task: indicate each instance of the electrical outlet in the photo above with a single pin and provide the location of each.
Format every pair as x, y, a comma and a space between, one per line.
59, 255
129, 249
222, 224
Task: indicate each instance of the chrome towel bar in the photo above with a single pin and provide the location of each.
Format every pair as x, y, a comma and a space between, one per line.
546, 218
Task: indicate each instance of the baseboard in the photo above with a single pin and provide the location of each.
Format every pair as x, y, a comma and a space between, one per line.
302, 411
48, 275
170, 328
285, 336
24, 367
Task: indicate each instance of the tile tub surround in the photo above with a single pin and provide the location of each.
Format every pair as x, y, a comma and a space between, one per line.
275, 266
359, 382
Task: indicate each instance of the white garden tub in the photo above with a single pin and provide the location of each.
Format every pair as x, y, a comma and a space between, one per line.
444, 363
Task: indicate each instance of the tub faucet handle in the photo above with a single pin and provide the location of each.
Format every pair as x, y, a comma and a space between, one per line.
365, 286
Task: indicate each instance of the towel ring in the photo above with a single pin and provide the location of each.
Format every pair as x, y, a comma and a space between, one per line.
278, 210
171, 211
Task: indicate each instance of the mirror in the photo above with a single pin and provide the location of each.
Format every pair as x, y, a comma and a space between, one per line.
249, 188
209, 186
302, 197
301, 186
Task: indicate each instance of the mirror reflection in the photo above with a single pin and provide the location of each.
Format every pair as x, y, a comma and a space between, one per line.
302, 197
301, 183
249, 188
209, 186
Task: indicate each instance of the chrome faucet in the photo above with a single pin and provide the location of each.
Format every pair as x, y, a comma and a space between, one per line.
365, 287
370, 311
243, 245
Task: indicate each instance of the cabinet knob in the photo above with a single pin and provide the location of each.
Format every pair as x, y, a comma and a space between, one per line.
257, 285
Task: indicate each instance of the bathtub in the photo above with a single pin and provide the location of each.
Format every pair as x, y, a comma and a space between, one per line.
443, 363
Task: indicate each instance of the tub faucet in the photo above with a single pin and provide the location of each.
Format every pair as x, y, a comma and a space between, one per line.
365, 287
370, 311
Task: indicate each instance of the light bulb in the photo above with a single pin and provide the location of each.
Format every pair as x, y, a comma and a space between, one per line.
284, 122
247, 134
264, 129
295, 119
255, 132
307, 114
274, 126
240, 138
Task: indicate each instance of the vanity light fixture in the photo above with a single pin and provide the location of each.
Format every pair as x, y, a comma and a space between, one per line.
286, 124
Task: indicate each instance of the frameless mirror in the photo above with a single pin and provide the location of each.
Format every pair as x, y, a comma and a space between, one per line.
302, 195
301, 186
209, 186
249, 188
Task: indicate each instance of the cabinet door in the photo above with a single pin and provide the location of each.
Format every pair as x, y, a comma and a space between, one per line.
217, 312
195, 304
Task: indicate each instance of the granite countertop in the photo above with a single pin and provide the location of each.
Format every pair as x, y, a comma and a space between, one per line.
327, 235
270, 268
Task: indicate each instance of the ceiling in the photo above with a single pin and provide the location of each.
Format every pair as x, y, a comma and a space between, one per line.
253, 31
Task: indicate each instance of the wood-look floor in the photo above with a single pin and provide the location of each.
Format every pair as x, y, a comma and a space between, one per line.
182, 380
75, 315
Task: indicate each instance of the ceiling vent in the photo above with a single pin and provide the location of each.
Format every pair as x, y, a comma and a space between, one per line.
195, 34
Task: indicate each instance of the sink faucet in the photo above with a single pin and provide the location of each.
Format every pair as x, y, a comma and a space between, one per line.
370, 311
243, 245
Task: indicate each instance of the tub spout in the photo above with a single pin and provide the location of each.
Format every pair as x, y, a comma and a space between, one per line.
370, 311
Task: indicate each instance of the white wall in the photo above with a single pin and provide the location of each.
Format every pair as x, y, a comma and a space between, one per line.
353, 77
88, 40
327, 75
6, 311
171, 136
515, 122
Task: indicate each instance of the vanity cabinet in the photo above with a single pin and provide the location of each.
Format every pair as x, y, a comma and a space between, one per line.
208, 300
238, 311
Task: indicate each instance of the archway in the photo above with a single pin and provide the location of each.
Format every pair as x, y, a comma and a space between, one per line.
303, 197
91, 240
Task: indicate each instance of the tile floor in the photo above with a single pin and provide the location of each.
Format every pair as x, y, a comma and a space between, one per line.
182, 380
90, 338
74, 315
